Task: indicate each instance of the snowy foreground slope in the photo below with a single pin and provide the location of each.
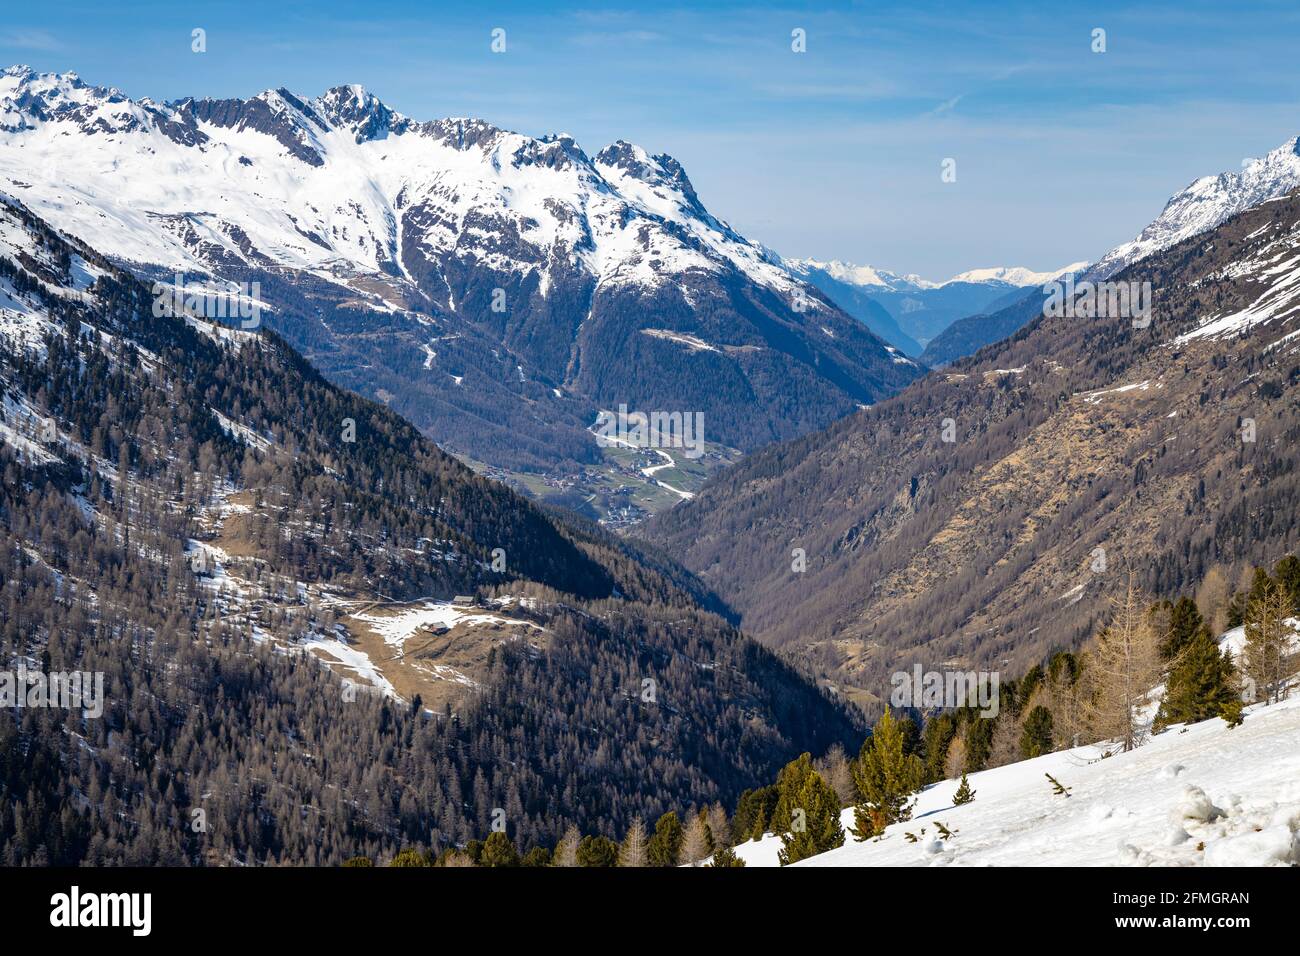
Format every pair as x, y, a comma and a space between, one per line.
1198, 795
1236, 790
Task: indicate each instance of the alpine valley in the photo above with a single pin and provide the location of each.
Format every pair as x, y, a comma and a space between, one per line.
302, 410
980, 516
318, 632
498, 290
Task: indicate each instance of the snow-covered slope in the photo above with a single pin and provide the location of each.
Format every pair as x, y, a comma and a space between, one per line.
1198, 795
486, 283
1206, 203
320, 184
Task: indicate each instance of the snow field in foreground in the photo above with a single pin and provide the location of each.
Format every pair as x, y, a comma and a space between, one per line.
1202, 795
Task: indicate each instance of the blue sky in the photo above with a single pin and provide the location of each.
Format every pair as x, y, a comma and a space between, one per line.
834, 153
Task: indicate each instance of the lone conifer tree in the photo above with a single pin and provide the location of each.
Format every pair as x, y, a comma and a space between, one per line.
964, 793
788, 784
633, 851
1036, 734
1125, 666
1182, 620
695, 841
566, 851
498, 851
886, 778
725, 857
815, 822
1200, 683
667, 840
1268, 639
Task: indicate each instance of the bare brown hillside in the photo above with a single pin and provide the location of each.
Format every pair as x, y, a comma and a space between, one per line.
1076, 434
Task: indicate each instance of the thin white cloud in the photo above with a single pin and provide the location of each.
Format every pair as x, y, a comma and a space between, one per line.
617, 36
947, 106
30, 40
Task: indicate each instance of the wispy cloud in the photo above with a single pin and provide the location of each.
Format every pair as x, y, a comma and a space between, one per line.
617, 36
30, 40
947, 106
873, 90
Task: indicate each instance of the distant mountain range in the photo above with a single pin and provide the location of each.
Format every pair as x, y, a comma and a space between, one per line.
908, 311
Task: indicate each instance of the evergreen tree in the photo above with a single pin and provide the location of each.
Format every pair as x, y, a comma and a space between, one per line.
597, 851
815, 821
886, 777
1287, 574
498, 851
410, 857
964, 793
788, 784
978, 742
753, 811
1036, 733
940, 732
1200, 683
537, 856
1032, 680
1232, 712
1182, 620
725, 856
667, 840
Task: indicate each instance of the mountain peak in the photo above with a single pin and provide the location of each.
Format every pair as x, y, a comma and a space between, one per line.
1015, 275
1208, 202
661, 170
355, 109
463, 132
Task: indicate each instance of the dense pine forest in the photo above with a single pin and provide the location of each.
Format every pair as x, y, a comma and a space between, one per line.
222, 743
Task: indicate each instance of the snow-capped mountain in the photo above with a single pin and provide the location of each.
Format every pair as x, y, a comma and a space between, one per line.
1206, 203
864, 277
1017, 276
497, 288
870, 278
907, 310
